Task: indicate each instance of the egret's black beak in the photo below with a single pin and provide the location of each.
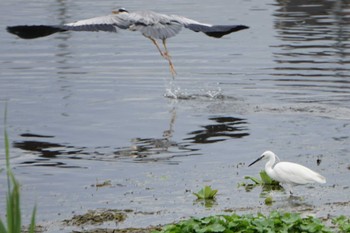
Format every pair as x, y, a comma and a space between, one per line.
255, 161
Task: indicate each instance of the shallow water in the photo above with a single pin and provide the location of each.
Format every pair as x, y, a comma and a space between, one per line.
84, 108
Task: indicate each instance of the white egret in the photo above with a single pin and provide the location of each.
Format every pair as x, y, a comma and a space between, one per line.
289, 173
151, 24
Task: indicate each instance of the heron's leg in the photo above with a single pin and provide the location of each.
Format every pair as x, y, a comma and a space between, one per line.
172, 69
165, 54
156, 44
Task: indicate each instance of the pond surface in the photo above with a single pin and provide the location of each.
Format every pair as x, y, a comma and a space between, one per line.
88, 108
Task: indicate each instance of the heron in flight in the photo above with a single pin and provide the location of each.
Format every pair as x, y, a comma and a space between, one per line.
152, 25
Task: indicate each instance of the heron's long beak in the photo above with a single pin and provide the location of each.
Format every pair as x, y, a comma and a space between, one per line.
255, 161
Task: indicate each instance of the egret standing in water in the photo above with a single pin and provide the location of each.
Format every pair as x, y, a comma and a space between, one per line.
151, 24
289, 173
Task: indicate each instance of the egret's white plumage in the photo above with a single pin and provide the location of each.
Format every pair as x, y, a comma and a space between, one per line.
289, 173
151, 24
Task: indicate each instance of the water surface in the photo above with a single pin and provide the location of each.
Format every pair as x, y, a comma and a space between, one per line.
88, 107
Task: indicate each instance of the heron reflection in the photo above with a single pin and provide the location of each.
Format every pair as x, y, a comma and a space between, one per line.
163, 149
224, 128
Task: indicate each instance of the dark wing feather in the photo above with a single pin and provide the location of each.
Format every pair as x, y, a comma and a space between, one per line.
210, 30
33, 31
107, 23
216, 31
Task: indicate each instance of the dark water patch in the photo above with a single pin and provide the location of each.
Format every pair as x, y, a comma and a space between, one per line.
162, 150
224, 128
44, 149
141, 150
30, 135
48, 163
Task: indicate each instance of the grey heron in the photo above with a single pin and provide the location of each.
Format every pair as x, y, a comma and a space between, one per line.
152, 25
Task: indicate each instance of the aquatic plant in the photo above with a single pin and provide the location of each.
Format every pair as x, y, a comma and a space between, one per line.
274, 222
342, 222
13, 207
97, 217
265, 181
206, 193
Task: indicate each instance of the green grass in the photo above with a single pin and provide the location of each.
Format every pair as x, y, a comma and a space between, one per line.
13, 205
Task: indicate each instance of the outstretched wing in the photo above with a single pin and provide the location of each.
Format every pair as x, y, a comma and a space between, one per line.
216, 31
149, 23
108, 23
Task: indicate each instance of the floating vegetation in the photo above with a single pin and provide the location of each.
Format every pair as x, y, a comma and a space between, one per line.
106, 183
267, 184
98, 217
265, 181
275, 222
206, 193
125, 230
268, 200
206, 196
343, 223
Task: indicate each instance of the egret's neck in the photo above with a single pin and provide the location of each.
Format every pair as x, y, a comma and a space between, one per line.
269, 166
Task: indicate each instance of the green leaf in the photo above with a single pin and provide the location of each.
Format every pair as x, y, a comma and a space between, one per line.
2, 227
32, 222
265, 178
289, 218
13, 207
206, 193
254, 179
268, 200
217, 227
342, 222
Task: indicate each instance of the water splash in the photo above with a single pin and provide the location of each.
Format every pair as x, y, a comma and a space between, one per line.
176, 92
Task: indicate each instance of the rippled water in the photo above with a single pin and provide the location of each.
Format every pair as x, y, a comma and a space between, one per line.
88, 107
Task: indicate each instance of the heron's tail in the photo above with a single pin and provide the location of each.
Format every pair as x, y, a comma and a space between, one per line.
33, 31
